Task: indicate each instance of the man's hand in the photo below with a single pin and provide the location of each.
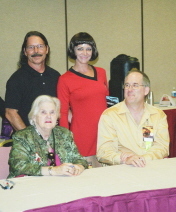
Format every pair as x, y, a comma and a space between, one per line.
136, 161
125, 155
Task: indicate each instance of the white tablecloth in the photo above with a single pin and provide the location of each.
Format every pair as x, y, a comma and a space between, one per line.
35, 192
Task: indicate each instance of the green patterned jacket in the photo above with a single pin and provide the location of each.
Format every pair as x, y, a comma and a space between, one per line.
29, 151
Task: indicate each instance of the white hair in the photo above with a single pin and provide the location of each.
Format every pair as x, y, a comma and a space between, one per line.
36, 106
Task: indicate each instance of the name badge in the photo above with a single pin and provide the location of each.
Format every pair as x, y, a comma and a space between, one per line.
148, 136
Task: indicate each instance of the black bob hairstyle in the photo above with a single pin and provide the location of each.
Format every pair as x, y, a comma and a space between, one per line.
23, 57
82, 38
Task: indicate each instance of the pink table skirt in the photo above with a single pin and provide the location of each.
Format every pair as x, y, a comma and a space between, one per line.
161, 200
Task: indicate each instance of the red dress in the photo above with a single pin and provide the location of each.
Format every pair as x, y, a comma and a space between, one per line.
86, 97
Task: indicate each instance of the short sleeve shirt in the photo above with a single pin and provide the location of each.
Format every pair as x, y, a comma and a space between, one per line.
25, 85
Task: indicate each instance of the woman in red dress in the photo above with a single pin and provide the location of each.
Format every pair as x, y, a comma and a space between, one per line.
83, 90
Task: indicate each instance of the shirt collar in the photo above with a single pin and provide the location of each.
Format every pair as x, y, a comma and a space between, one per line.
147, 109
34, 72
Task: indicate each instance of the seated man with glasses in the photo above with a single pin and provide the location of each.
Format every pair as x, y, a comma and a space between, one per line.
122, 137
33, 78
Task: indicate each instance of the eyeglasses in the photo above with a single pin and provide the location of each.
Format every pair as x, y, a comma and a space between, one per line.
7, 184
134, 86
51, 156
32, 47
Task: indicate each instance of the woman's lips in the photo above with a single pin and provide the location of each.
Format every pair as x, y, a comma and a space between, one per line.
47, 121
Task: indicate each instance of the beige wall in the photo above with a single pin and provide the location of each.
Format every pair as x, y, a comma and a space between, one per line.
160, 45
20, 16
114, 24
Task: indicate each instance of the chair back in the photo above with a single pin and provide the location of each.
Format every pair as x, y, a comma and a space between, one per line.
4, 157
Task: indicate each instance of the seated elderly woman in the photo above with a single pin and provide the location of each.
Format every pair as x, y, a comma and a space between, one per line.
44, 148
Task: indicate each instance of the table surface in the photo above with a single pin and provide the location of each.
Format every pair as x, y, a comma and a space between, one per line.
34, 192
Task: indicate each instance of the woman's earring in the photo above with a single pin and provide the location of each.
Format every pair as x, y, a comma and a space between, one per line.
33, 123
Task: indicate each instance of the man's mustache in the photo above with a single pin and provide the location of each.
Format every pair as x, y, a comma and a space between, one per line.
36, 55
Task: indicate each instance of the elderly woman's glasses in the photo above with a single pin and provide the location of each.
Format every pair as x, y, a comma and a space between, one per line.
7, 184
134, 86
51, 156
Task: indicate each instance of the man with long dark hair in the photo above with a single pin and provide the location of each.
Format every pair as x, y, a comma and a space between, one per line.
33, 78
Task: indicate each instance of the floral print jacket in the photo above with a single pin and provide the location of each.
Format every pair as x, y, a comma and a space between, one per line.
30, 152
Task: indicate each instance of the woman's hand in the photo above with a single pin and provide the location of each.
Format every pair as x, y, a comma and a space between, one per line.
68, 169
78, 169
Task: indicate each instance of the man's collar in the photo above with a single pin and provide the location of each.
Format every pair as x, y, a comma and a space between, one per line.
149, 108
36, 73
124, 109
